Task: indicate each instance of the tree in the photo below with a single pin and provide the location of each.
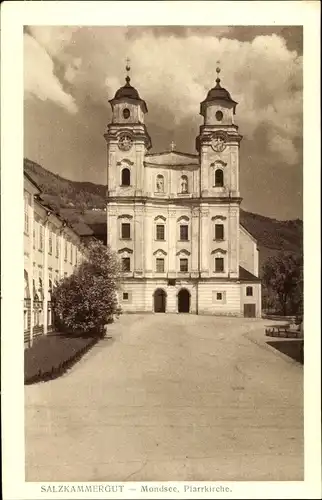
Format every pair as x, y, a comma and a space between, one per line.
84, 301
283, 278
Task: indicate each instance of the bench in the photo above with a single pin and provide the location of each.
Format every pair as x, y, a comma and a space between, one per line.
283, 330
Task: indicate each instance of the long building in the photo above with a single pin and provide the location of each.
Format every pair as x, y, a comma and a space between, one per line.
173, 217
52, 249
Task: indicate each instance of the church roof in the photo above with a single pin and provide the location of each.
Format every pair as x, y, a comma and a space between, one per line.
129, 92
245, 275
218, 93
172, 159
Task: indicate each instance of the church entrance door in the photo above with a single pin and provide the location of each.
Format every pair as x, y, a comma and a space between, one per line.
183, 301
159, 301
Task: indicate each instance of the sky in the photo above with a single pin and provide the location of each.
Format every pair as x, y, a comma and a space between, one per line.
70, 73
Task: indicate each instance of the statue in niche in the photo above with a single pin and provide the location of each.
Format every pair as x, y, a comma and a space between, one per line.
184, 184
160, 184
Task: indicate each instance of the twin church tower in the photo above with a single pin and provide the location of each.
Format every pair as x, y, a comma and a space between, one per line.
173, 217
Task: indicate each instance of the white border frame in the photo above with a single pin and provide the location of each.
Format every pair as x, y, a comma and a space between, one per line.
14, 16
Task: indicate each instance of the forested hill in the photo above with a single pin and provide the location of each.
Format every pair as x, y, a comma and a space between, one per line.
65, 193
76, 201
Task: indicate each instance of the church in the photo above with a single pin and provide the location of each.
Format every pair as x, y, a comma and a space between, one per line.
173, 217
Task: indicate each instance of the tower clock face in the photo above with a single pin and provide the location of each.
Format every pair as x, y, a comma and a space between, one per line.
218, 143
125, 142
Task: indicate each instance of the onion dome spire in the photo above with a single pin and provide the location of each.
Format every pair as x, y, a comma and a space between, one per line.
217, 93
218, 70
129, 92
128, 69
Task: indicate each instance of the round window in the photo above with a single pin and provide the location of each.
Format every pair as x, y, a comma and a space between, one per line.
219, 116
126, 113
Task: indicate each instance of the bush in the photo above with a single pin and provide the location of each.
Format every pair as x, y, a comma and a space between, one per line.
84, 301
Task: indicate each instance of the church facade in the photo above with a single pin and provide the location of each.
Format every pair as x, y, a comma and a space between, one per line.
173, 217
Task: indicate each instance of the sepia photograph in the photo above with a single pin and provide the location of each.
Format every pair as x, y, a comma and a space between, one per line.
163, 311
164, 162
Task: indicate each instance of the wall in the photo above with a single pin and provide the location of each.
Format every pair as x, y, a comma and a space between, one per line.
42, 262
256, 298
141, 296
248, 253
208, 303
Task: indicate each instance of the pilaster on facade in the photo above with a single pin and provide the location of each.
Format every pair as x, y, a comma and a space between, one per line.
138, 241
204, 241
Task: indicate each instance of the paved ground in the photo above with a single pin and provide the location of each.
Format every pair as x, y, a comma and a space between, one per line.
171, 397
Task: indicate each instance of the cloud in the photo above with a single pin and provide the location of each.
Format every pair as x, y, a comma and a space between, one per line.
39, 78
173, 68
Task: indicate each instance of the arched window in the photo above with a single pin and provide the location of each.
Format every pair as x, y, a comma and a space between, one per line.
219, 178
160, 184
184, 184
126, 177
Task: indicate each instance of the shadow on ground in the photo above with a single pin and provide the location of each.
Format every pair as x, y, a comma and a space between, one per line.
292, 348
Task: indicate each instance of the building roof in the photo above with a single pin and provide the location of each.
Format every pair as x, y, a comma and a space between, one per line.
81, 229
172, 158
245, 275
129, 92
218, 93
30, 179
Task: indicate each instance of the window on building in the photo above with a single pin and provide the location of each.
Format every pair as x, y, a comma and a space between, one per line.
160, 232
57, 245
71, 253
160, 265
125, 296
40, 284
26, 203
126, 231
65, 252
160, 184
34, 236
126, 113
126, 264
219, 264
219, 231
184, 184
219, 296
184, 265
184, 232
126, 177
219, 178
249, 291
41, 237
50, 282
50, 242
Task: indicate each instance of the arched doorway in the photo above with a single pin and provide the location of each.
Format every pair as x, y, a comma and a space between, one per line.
184, 301
160, 298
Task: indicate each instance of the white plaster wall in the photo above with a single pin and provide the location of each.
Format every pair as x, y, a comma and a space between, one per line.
256, 298
211, 111
141, 295
207, 304
248, 253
